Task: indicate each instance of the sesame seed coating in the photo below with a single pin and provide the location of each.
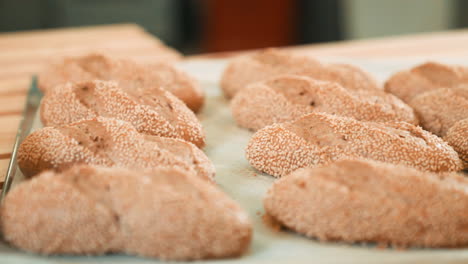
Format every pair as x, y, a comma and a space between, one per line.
425, 77
154, 113
268, 63
440, 109
128, 74
457, 137
288, 97
162, 213
369, 201
107, 142
318, 138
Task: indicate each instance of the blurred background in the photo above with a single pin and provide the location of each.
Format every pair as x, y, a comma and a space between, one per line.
202, 26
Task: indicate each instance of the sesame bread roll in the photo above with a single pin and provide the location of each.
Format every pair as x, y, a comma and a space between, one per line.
368, 201
317, 139
426, 77
128, 74
107, 142
457, 137
440, 109
157, 113
268, 63
164, 213
288, 97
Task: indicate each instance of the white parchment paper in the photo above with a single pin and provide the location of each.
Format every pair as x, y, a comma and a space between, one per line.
225, 147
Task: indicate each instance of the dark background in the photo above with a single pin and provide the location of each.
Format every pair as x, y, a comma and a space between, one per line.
195, 26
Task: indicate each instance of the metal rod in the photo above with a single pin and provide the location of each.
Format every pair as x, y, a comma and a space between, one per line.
29, 112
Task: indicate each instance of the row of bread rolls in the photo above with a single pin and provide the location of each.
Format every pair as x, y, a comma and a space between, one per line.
439, 95
354, 164
287, 86
118, 168
273, 86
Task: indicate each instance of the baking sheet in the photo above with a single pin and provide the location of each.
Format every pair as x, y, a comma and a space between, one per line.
225, 147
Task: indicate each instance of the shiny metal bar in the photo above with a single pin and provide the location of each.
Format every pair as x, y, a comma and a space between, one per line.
33, 100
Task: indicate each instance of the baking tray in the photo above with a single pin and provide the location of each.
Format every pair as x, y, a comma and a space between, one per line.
225, 147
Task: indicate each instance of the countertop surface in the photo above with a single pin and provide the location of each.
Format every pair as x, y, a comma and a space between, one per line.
23, 54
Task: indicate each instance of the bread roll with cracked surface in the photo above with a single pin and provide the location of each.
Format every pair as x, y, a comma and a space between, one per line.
164, 213
426, 77
156, 113
318, 138
107, 142
368, 201
440, 109
268, 63
288, 97
130, 75
457, 137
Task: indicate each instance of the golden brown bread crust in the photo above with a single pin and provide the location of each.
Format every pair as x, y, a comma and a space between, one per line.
368, 201
268, 63
107, 142
440, 109
457, 137
288, 97
317, 139
164, 213
426, 77
156, 113
129, 75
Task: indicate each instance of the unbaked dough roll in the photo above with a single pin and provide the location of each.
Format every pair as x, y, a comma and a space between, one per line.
438, 110
129, 74
368, 201
154, 113
457, 137
317, 139
107, 142
268, 63
163, 213
426, 77
288, 97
